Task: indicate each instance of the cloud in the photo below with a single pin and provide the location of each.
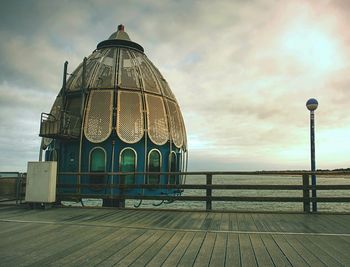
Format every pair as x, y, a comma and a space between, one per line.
241, 71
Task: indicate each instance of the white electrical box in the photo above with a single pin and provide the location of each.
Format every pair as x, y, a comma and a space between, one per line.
41, 182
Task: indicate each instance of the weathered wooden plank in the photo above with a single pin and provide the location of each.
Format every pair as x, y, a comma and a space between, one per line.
247, 252
205, 252
225, 222
338, 249
277, 256
175, 256
102, 217
293, 257
139, 250
145, 219
219, 252
262, 256
153, 250
11, 212
308, 256
167, 219
119, 217
345, 239
123, 252
314, 223
248, 223
322, 254
159, 219
233, 253
324, 246
110, 247
192, 250
195, 221
182, 220
88, 251
338, 242
13, 228
344, 220
22, 246
340, 223
215, 222
166, 250
288, 223
274, 222
38, 247
207, 221
26, 236
264, 222
234, 225
70, 245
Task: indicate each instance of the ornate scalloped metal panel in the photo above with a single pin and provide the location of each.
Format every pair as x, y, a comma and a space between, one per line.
130, 126
55, 111
91, 65
98, 121
156, 119
105, 71
56, 107
183, 131
73, 105
164, 85
128, 77
175, 124
74, 81
149, 80
166, 89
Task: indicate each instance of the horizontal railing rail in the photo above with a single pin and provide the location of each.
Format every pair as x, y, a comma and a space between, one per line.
212, 186
214, 198
205, 173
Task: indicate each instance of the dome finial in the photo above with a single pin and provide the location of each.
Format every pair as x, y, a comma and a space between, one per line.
121, 27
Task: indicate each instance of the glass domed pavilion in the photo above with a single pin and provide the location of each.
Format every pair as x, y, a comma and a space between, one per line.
115, 113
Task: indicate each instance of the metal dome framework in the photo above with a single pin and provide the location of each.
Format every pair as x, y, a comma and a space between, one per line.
126, 80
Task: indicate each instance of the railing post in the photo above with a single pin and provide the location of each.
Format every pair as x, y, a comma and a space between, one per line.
306, 193
121, 202
18, 194
209, 191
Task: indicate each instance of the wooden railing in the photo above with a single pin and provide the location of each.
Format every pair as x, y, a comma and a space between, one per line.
12, 186
208, 198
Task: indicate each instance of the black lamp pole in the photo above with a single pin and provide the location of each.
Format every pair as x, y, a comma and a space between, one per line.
312, 105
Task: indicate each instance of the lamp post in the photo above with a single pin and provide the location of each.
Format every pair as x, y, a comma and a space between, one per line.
312, 105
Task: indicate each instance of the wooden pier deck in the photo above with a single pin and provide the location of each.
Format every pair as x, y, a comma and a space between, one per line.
105, 237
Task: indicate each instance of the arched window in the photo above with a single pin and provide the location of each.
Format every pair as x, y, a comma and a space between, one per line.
154, 165
97, 164
172, 167
127, 163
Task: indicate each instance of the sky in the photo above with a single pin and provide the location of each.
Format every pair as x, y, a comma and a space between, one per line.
241, 71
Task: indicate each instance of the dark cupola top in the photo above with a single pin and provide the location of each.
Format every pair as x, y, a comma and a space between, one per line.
120, 39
